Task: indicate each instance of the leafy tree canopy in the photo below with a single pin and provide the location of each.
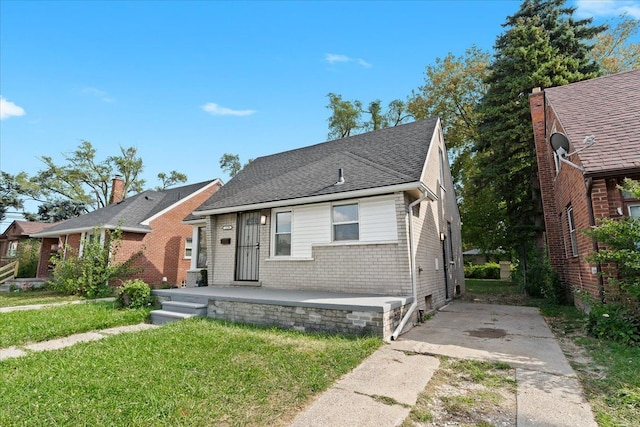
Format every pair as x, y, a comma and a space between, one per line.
612, 50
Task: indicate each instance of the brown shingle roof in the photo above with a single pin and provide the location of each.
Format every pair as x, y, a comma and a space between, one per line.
608, 108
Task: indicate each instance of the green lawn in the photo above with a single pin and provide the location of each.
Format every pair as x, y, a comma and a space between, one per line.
189, 373
12, 299
20, 327
490, 286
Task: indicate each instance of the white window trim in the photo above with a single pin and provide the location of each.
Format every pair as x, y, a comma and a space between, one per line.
333, 223
85, 234
274, 224
188, 244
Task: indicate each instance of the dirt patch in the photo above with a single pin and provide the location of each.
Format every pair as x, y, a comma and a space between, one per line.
467, 393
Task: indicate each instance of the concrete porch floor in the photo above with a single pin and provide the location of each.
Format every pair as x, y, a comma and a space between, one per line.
290, 298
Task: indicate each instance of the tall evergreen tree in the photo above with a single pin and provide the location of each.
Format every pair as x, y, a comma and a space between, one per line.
543, 46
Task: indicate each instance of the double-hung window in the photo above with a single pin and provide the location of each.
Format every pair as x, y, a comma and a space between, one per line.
283, 234
188, 247
346, 224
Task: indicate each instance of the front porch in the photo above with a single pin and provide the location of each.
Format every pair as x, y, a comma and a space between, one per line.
307, 311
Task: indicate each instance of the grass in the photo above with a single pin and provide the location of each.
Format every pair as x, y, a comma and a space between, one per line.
490, 286
188, 373
21, 327
12, 299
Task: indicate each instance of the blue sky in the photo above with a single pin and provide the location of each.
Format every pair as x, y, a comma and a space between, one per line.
185, 82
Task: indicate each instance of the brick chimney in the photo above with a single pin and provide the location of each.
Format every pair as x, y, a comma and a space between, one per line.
117, 189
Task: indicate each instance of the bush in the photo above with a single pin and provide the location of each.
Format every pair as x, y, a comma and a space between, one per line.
28, 258
539, 280
489, 270
89, 274
613, 321
134, 294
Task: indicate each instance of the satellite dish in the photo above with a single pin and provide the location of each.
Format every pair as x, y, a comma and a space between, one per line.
559, 142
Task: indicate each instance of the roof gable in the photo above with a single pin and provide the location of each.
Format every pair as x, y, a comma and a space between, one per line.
382, 158
608, 108
129, 214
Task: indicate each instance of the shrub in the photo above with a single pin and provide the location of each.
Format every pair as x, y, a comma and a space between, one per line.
535, 275
89, 274
489, 270
28, 254
134, 294
612, 321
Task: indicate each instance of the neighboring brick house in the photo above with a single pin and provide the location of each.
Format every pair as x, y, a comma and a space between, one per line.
576, 197
372, 214
15, 235
150, 221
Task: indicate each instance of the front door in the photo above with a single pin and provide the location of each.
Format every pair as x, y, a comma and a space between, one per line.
248, 246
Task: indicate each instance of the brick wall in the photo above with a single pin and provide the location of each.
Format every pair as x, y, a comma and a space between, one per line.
560, 190
309, 319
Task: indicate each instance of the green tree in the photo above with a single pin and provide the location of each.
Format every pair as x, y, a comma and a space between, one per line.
83, 180
345, 116
59, 210
612, 49
173, 178
452, 90
543, 46
9, 194
230, 163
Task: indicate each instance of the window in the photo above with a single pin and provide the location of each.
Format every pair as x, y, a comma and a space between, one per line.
345, 222
634, 211
441, 167
12, 249
449, 232
572, 232
188, 246
283, 234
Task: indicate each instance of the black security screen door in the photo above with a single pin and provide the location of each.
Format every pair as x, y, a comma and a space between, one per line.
248, 249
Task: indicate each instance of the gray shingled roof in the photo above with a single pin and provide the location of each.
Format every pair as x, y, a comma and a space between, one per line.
128, 214
608, 108
382, 158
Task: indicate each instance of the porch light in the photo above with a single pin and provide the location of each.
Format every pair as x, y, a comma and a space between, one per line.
263, 219
442, 236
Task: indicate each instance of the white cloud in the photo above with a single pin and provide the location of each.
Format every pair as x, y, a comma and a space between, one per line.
100, 94
332, 58
604, 8
9, 109
217, 110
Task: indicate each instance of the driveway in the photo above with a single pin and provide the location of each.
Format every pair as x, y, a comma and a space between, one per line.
548, 391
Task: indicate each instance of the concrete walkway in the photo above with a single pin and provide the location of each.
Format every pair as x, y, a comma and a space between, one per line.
22, 350
549, 393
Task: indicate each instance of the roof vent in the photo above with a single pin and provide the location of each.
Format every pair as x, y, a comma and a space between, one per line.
340, 177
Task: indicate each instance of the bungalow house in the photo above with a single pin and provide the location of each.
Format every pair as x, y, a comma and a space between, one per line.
151, 221
16, 234
587, 138
358, 235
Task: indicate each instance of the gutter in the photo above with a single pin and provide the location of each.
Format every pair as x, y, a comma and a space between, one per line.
427, 194
592, 221
377, 191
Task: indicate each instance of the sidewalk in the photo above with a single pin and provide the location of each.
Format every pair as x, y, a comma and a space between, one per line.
382, 390
54, 304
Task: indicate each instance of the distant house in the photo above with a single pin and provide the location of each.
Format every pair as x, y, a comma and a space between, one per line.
16, 234
150, 221
575, 196
369, 215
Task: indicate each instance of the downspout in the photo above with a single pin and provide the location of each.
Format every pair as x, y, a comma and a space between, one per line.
592, 221
412, 260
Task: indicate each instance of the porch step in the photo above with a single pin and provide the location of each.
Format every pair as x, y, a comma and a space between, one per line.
194, 308
160, 317
177, 310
